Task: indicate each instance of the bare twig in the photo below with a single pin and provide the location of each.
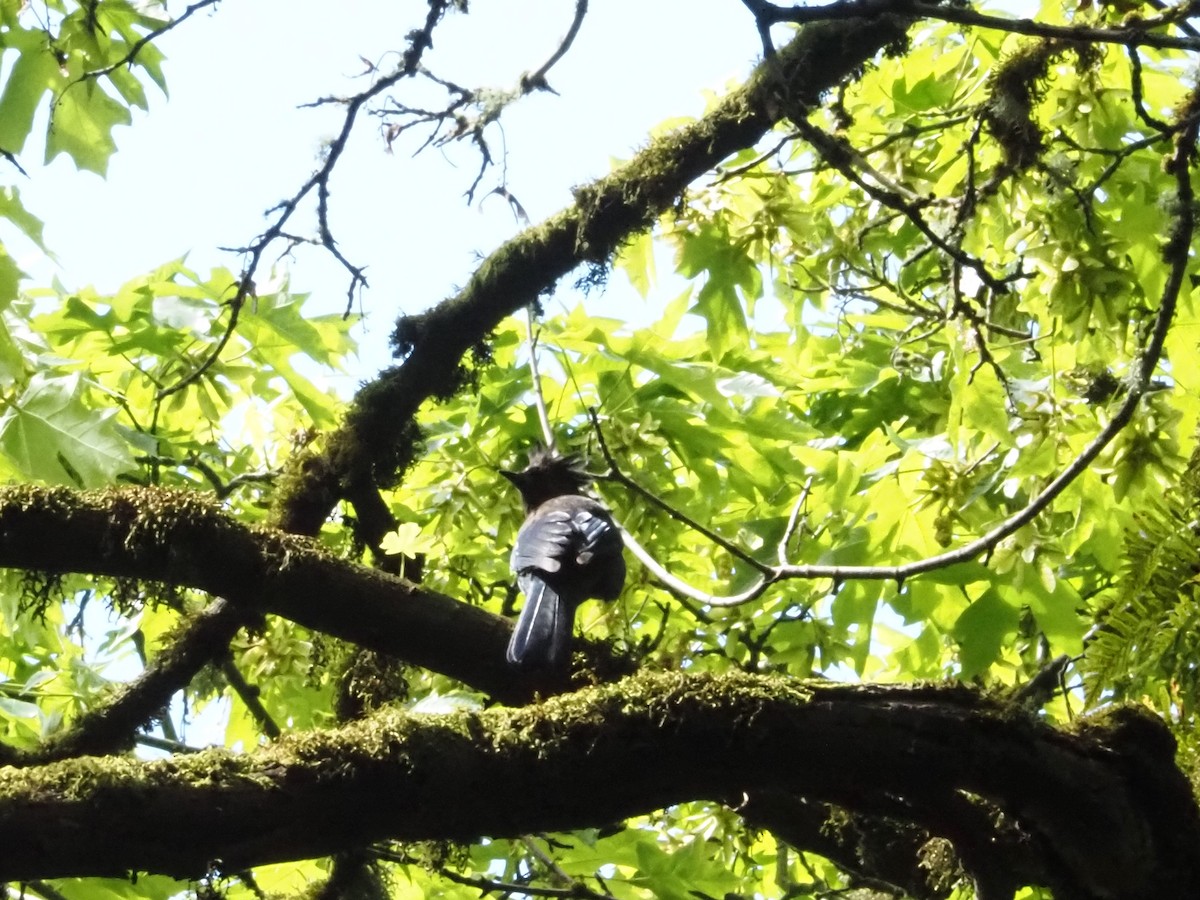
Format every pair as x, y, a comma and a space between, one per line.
762, 20
539, 398
419, 41
680, 587
537, 80
138, 45
469, 112
13, 159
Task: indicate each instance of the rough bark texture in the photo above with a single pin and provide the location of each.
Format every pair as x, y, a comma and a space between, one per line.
178, 538
1102, 811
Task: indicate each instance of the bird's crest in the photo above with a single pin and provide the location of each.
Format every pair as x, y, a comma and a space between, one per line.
549, 475
545, 461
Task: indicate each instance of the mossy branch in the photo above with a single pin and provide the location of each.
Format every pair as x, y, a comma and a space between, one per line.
179, 538
1103, 809
378, 437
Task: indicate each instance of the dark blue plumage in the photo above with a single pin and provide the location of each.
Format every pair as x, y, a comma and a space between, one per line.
567, 550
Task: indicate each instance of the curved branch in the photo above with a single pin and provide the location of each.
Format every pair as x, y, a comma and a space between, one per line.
1135, 34
176, 537
615, 474
1175, 253
245, 289
113, 725
1103, 811
537, 80
371, 445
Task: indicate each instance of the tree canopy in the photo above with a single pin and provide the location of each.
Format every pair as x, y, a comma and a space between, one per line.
905, 464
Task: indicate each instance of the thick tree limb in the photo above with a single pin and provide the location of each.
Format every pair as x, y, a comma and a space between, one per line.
372, 444
179, 538
891, 852
1137, 32
1104, 811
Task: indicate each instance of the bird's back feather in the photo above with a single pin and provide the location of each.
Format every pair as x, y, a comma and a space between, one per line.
568, 550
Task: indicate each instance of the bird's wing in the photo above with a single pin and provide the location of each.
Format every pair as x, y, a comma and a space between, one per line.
567, 550
544, 542
598, 536
600, 552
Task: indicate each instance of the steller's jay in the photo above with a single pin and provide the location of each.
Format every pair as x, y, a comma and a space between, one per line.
567, 550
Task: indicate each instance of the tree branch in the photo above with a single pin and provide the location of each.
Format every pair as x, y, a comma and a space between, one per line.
140, 43
1104, 812
113, 726
178, 538
1175, 254
375, 441
1135, 34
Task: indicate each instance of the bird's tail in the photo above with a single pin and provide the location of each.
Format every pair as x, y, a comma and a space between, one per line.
542, 637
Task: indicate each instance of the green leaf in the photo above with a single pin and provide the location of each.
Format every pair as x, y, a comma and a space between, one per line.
981, 632
34, 73
10, 278
50, 435
81, 126
12, 209
407, 540
731, 277
636, 260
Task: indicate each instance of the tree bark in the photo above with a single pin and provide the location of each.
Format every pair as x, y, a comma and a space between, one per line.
181, 539
1103, 810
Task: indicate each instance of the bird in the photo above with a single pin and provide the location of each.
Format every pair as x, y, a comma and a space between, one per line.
567, 550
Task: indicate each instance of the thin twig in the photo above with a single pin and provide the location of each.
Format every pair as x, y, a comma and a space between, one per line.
556, 872
1135, 94
537, 80
681, 588
793, 521
615, 474
763, 23
249, 695
539, 399
245, 289
138, 45
489, 885
13, 159
839, 155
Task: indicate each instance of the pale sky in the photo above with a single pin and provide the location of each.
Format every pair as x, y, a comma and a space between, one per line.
197, 172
